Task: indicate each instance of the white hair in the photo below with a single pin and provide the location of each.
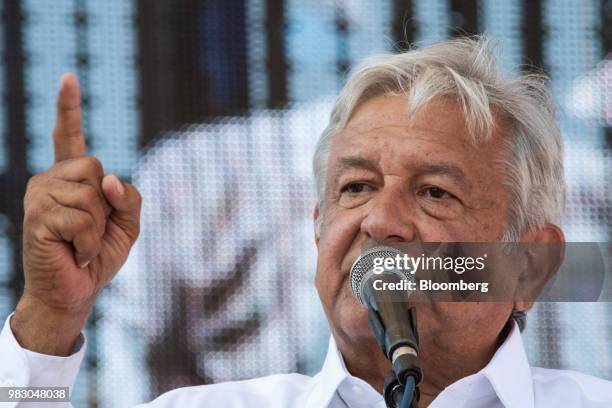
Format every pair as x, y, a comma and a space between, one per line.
466, 69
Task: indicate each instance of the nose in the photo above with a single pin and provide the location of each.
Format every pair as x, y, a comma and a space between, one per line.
390, 217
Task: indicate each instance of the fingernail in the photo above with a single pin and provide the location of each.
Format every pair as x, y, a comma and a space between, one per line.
84, 265
119, 186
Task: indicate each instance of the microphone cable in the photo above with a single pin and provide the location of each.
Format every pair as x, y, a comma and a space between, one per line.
408, 391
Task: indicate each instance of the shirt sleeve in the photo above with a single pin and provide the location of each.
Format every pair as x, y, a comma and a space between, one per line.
24, 368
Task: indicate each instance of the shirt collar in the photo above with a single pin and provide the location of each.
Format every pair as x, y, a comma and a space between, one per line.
334, 377
507, 375
509, 372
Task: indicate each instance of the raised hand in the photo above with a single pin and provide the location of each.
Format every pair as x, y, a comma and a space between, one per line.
79, 226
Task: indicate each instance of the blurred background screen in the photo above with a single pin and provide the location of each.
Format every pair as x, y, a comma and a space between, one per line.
212, 108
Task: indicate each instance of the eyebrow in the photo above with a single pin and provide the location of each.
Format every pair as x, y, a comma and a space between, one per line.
444, 169
351, 162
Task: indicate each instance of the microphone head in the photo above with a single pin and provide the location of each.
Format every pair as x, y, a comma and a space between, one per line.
365, 264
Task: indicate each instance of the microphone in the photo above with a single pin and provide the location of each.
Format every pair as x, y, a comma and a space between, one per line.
393, 323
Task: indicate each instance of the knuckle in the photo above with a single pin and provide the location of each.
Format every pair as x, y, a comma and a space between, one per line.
77, 222
58, 167
30, 216
37, 233
34, 210
87, 224
90, 197
73, 130
68, 221
32, 187
29, 221
95, 165
32, 182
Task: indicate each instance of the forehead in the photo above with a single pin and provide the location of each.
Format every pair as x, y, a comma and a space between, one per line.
440, 115
382, 126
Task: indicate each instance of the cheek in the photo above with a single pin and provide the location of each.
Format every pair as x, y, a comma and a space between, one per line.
486, 229
467, 229
338, 246
431, 230
489, 219
339, 234
434, 230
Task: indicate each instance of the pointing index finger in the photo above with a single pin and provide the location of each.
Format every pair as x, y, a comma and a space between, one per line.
68, 139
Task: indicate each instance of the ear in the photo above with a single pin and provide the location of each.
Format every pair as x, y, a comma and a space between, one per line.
523, 306
549, 233
315, 218
544, 259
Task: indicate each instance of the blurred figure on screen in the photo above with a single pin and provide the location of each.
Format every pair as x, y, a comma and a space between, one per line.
221, 276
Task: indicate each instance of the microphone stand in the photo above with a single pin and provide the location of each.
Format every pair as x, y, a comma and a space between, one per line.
399, 342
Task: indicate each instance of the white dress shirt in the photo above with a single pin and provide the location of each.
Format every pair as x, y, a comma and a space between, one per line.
507, 381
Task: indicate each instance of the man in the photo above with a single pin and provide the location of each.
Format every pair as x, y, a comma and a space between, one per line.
432, 145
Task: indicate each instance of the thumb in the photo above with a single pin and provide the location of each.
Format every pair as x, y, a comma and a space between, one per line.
126, 202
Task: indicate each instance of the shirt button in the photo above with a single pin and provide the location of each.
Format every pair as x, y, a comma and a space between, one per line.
357, 390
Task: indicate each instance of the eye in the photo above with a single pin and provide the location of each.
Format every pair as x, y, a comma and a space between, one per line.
354, 188
437, 193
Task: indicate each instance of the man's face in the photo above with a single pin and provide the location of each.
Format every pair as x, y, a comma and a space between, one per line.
393, 180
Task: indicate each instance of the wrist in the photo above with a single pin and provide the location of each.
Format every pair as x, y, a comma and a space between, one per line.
46, 330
